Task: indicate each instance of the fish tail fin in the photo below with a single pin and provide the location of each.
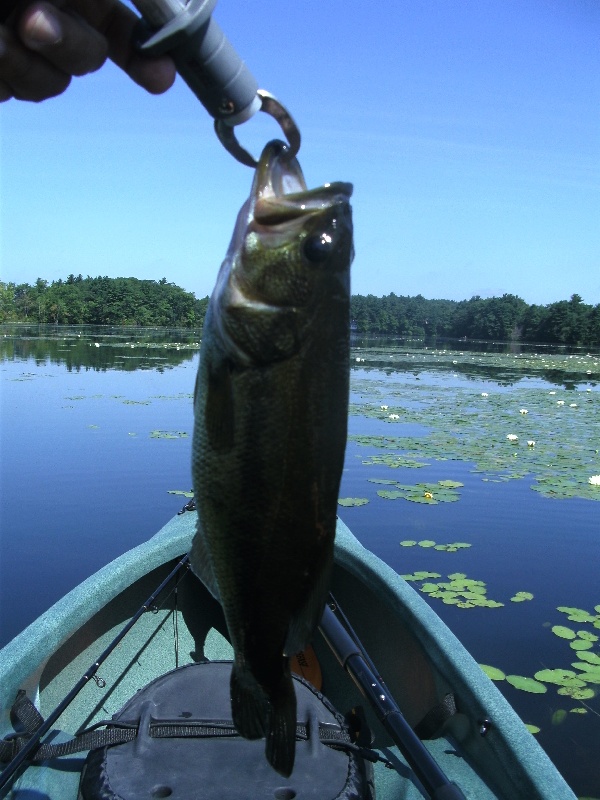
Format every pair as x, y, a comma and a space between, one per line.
249, 706
281, 727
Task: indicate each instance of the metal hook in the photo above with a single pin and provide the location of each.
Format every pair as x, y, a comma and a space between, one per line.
272, 106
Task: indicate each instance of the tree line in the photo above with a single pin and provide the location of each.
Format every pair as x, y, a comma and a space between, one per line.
101, 301
130, 301
506, 318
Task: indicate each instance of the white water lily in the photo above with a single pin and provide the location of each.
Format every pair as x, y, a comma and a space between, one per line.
594, 480
394, 416
572, 405
551, 392
384, 408
522, 411
530, 443
484, 394
512, 437
560, 402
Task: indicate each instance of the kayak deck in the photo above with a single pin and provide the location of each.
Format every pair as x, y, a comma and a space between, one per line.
418, 657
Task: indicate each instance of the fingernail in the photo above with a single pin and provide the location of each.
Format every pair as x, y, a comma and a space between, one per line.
44, 28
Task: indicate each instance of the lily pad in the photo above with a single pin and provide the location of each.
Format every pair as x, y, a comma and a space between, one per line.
591, 658
563, 632
590, 637
532, 728
520, 597
559, 716
408, 543
183, 494
561, 677
421, 575
348, 502
581, 644
526, 684
576, 693
579, 614
493, 672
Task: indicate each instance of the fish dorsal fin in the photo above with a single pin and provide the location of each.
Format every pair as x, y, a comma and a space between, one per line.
219, 413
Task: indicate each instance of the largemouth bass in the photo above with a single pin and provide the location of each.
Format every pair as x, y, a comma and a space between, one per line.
270, 411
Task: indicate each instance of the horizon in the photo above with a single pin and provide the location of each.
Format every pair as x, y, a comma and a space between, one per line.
470, 131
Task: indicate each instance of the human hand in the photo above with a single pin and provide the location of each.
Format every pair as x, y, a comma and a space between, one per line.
44, 44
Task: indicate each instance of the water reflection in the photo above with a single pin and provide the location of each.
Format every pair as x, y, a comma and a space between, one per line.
102, 348
504, 363
99, 348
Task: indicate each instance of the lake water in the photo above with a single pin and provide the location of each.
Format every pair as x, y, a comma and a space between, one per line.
96, 431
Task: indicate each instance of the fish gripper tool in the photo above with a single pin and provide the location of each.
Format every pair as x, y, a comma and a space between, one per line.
211, 67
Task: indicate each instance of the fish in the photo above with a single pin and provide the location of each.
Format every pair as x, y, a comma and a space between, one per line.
270, 426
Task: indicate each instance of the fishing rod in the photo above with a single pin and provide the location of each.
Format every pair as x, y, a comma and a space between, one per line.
34, 740
347, 648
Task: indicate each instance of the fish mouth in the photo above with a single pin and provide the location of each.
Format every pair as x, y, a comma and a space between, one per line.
279, 191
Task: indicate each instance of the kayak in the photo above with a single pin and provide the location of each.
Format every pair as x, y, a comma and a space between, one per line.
144, 625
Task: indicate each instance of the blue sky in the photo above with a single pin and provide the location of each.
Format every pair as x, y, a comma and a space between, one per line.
469, 128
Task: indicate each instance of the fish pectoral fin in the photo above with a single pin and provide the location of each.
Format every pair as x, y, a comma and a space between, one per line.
304, 624
219, 413
201, 563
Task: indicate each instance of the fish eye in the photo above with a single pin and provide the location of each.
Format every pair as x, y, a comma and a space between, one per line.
318, 248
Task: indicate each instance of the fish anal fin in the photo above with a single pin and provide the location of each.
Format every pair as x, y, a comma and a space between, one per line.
249, 706
201, 563
219, 411
280, 748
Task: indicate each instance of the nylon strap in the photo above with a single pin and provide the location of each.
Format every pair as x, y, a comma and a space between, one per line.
25, 713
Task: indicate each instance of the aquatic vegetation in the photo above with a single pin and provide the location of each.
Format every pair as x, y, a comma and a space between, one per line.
347, 502
581, 615
521, 597
395, 461
563, 632
452, 547
493, 673
168, 434
552, 448
458, 590
189, 494
526, 684
429, 493
578, 683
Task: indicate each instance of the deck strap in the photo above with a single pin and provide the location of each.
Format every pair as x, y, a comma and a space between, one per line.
26, 715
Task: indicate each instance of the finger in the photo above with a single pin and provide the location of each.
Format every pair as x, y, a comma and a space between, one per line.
26, 75
117, 23
67, 42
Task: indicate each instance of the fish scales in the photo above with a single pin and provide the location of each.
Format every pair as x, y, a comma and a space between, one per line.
270, 430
